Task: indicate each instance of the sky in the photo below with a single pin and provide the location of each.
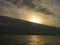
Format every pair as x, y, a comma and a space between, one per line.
46, 10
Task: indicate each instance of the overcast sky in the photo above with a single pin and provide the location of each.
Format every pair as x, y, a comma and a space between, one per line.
48, 10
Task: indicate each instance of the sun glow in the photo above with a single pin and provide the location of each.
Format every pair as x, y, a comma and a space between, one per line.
35, 20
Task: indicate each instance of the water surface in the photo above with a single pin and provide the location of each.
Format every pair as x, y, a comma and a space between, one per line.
29, 40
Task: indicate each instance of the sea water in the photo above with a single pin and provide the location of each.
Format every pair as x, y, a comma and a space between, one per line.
29, 40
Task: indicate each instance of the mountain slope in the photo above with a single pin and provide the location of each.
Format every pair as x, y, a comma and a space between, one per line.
15, 26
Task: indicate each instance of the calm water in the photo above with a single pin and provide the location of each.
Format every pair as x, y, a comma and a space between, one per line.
29, 40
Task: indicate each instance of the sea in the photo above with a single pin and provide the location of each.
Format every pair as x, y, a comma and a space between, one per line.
12, 39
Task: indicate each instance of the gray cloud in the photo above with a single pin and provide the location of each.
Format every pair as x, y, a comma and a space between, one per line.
30, 4
22, 8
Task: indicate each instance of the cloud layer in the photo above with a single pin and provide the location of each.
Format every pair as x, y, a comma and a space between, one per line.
21, 9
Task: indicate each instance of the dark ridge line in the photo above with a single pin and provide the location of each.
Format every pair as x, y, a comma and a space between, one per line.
15, 26
24, 21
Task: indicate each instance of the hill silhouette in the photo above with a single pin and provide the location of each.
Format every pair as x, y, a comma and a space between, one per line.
16, 26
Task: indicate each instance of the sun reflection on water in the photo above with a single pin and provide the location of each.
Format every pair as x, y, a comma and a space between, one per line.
35, 40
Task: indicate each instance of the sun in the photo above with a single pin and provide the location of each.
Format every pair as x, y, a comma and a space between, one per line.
35, 20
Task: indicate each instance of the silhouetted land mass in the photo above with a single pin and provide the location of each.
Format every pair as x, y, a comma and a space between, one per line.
16, 26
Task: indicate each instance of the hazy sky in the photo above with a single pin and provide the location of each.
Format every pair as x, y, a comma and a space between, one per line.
47, 10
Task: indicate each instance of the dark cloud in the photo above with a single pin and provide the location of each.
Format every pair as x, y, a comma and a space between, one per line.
18, 3
30, 4
22, 8
45, 11
57, 1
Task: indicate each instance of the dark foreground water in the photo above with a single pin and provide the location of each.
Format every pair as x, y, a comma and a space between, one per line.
29, 40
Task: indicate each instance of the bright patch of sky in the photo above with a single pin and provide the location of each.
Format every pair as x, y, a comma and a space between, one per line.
48, 10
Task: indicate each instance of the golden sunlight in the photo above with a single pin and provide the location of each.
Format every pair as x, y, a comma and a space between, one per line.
36, 20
